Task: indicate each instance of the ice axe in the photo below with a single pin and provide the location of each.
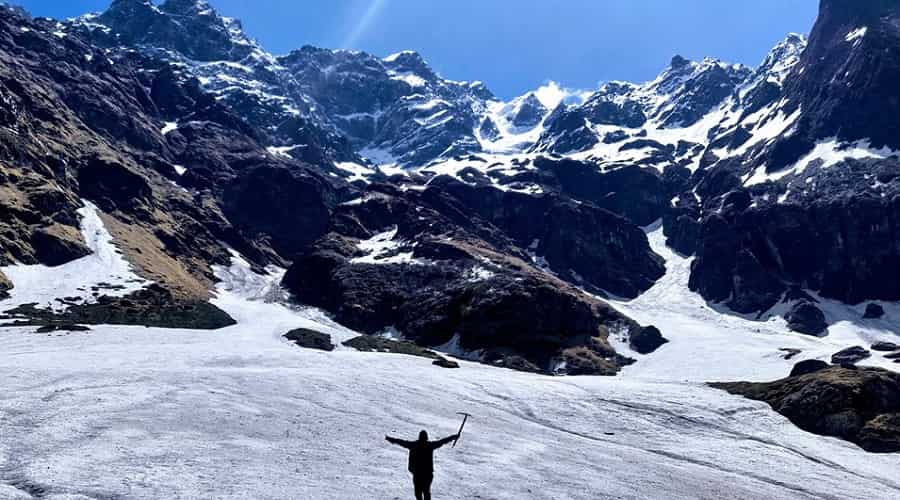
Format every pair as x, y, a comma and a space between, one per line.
465, 417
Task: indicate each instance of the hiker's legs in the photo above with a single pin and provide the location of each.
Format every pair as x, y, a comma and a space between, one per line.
423, 487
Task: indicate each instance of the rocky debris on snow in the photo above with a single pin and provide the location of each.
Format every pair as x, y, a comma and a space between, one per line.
873, 311
850, 356
893, 355
513, 362
151, 306
375, 343
808, 366
310, 339
62, 327
445, 363
647, 340
805, 317
789, 353
861, 405
885, 346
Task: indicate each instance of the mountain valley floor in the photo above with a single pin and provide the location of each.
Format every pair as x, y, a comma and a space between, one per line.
134, 412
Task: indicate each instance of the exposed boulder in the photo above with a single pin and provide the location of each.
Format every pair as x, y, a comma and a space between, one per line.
445, 363
375, 343
647, 340
850, 356
310, 339
58, 244
808, 366
873, 311
885, 346
861, 405
893, 355
805, 317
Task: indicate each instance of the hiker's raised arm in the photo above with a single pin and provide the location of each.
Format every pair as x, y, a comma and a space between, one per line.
398, 442
446, 440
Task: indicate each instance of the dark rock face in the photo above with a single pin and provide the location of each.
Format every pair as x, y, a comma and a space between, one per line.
529, 113
860, 405
805, 317
152, 306
54, 247
615, 259
647, 340
846, 85
289, 208
187, 26
807, 367
885, 346
457, 263
840, 247
850, 356
873, 311
5, 286
310, 339
635, 193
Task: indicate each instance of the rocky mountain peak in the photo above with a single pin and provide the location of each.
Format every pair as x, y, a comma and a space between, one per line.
678, 62
529, 112
190, 27
409, 61
187, 7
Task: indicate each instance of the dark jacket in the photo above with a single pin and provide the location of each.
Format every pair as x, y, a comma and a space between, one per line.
421, 454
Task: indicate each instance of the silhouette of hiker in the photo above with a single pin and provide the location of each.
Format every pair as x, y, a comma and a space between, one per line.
421, 460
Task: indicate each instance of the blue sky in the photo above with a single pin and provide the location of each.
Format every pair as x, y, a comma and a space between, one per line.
517, 45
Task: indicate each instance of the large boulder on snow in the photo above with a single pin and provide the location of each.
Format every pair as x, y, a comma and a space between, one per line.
310, 339
861, 405
647, 340
850, 356
808, 366
873, 311
806, 317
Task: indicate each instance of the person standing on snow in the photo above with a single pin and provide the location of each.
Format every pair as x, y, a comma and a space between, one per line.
421, 460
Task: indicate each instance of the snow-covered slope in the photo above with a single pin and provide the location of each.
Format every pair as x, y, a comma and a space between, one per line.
241, 413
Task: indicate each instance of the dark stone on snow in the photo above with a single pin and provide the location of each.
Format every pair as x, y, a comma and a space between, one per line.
647, 340
885, 346
850, 356
805, 317
893, 355
808, 366
310, 339
62, 327
445, 363
789, 353
873, 311
375, 343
